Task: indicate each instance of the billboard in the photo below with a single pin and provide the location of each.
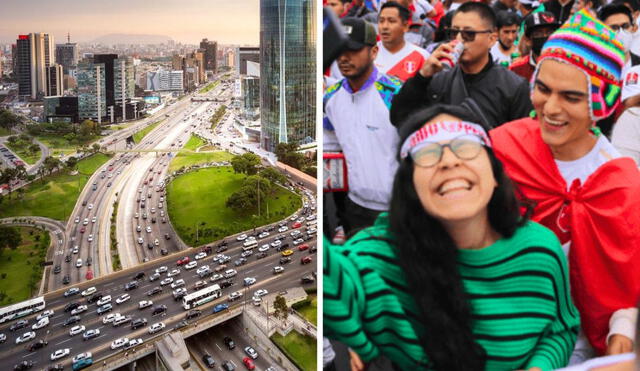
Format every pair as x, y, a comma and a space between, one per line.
152, 100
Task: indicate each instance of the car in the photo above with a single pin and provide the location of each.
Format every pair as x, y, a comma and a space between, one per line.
229, 343
177, 283
228, 366
148, 229
305, 260
85, 221
307, 279
78, 263
241, 237
18, 325
123, 298
208, 360
89, 291
94, 298
138, 229
90, 238
287, 252
159, 309
191, 265
194, 313
60, 353
295, 233
260, 293
104, 300
46, 313
131, 285
239, 262
146, 303
25, 337
200, 285
298, 241
76, 249
248, 363
78, 310
89, 261
159, 326
162, 269
37, 345
104, 309
223, 259
72, 291
154, 276
136, 216
251, 352
132, 343
200, 255
222, 248
183, 261
77, 220
140, 240
90, 334
109, 318
166, 281
264, 248
249, 281
67, 258
138, 322
164, 252
276, 243
261, 255
220, 307
284, 228
121, 320
81, 356
174, 272
263, 234
166, 236
278, 269
119, 343
235, 295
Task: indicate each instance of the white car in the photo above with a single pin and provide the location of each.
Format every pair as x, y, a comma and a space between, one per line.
90, 238
140, 240
216, 277
174, 272
75, 250
200, 255
178, 283
78, 263
144, 304
251, 352
235, 295
156, 242
75, 330
59, 354
109, 318
104, 300
249, 281
284, 228
89, 291
202, 269
46, 313
162, 269
298, 241
25, 337
153, 210
276, 243
79, 310
295, 233
94, 219
132, 343
154, 276
82, 356
312, 231
136, 216
278, 269
260, 293
148, 229
40, 324
264, 248
156, 327
263, 234
122, 298
90, 206
166, 281
119, 343
85, 221
138, 229
191, 265
241, 237
77, 219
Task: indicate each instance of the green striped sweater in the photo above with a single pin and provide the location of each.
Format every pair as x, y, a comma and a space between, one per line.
522, 311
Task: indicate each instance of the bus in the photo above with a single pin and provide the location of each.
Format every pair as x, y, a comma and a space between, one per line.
22, 309
201, 297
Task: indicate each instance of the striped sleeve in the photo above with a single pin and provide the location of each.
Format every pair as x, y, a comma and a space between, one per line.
344, 302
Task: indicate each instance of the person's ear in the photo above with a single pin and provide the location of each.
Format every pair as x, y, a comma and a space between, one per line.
374, 52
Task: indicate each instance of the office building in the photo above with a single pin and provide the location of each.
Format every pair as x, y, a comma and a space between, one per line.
22, 65
35, 54
55, 80
210, 50
57, 108
92, 102
244, 55
287, 70
67, 56
250, 95
162, 80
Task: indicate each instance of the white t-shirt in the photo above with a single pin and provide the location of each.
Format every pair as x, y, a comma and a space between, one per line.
498, 56
403, 64
635, 41
583, 167
626, 134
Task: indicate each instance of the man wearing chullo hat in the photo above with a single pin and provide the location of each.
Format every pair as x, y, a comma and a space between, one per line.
580, 185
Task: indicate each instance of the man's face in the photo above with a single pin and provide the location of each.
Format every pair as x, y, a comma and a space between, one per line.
477, 49
507, 35
355, 63
560, 98
391, 27
620, 21
337, 6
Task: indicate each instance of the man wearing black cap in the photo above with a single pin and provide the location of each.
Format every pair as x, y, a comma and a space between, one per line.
537, 29
620, 19
357, 123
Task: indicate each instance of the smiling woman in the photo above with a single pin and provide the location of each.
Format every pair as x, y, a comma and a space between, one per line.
441, 281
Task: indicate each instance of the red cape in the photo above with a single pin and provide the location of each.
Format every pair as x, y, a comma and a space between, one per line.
601, 219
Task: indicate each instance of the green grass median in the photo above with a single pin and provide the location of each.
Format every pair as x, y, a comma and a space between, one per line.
53, 196
138, 136
194, 142
209, 87
199, 197
300, 349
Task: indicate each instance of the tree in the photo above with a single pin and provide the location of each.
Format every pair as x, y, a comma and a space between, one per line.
10, 237
51, 164
258, 182
95, 148
26, 138
247, 163
281, 308
71, 163
243, 199
287, 154
8, 120
34, 148
273, 175
13, 139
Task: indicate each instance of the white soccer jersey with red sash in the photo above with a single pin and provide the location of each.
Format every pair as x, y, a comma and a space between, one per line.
403, 64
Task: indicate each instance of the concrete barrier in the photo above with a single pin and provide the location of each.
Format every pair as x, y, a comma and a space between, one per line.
251, 323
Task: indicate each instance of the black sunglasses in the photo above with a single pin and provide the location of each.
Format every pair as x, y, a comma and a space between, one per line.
617, 27
467, 35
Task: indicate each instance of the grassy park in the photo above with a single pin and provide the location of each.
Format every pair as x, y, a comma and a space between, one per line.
58, 145
188, 212
53, 196
194, 142
300, 349
187, 159
137, 137
22, 149
20, 269
310, 310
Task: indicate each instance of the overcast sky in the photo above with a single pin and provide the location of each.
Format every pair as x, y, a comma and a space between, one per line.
187, 21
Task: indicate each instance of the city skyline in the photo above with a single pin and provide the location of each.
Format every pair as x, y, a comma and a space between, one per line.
185, 22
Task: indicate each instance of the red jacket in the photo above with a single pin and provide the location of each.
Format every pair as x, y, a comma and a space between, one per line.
601, 218
522, 67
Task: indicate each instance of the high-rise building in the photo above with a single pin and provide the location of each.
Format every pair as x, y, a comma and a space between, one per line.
244, 55
162, 80
54, 80
92, 102
250, 93
67, 55
287, 70
119, 84
210, 50
35, 54
22, 65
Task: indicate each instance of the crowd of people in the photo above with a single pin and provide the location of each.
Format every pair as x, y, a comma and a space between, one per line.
489, 213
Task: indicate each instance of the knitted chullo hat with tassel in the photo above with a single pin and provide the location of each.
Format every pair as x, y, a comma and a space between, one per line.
590, 45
